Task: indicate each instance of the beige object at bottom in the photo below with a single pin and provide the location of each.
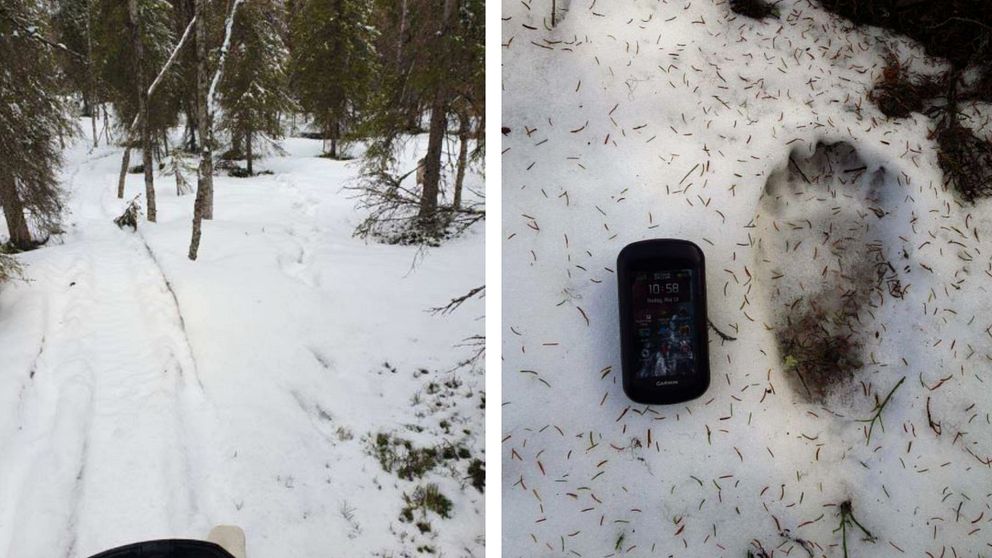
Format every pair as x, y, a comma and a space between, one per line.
230, 538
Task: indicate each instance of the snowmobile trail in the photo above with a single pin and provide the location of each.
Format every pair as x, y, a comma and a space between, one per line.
113, 383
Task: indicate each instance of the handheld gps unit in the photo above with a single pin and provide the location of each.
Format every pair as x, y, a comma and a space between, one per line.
663, 343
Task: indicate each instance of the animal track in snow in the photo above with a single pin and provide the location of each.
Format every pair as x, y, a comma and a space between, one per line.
825, 244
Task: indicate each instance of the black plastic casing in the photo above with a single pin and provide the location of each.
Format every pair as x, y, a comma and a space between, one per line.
172, 548
660, 255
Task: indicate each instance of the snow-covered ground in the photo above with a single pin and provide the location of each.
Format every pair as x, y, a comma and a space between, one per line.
144, 396
646, 119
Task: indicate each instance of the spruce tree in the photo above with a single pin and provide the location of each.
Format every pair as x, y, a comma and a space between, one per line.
469, 86
253, 92
33, 122
333, 62
432, 57
114, 54
72, 26
134, 40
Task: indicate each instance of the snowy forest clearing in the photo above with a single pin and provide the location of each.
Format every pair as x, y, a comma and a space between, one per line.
146, 395
848, 413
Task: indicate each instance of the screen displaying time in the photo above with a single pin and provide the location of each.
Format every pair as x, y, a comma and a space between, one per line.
664, 324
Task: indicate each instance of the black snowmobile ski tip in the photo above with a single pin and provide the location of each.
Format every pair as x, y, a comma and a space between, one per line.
171, 548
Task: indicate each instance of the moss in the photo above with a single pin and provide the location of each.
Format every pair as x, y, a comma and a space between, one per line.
400, 456
477, 472
431, 498
426, 498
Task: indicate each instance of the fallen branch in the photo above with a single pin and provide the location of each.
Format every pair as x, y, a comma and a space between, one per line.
457, 301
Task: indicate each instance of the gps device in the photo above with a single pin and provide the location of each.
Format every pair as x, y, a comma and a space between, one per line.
663, 343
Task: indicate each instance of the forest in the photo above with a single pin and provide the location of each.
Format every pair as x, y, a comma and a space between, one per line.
236, 77
242, 275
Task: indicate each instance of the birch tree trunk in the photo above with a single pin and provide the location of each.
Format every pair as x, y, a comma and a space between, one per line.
205, 174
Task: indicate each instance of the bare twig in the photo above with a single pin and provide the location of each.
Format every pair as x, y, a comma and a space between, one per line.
877, 417
458, 301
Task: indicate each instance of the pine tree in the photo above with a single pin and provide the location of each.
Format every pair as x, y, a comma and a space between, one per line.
333, 62
253, 92
33, 122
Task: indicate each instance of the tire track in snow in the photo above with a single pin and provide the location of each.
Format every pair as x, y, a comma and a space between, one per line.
102, 452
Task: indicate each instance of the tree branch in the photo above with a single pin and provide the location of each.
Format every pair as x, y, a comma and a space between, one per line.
31, 32
223, 57
456, 302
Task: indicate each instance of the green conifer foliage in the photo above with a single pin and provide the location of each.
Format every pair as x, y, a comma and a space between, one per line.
253, 90
34, 123
115, 64
333, 62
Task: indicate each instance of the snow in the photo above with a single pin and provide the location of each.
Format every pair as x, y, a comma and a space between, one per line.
145, 396
648, 119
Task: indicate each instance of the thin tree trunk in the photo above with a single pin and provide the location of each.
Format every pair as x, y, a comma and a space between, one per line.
191, 130
146, 136
125, 161
432, 162
91, 77
334, 140
427, 216
106, 123
96, 137
463, 129
402, 37
13, 211
249, 153
205, 175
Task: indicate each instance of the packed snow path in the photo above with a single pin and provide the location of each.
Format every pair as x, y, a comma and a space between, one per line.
102, 419
146, 396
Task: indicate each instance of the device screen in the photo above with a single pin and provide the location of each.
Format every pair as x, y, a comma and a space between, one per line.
664, 317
